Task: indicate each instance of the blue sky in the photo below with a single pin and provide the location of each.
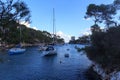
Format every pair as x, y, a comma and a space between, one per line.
69, 15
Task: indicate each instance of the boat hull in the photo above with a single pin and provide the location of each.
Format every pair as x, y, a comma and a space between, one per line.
16, 51
50, 53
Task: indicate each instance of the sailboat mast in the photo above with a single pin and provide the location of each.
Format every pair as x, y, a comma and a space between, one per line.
20, 34
53, 25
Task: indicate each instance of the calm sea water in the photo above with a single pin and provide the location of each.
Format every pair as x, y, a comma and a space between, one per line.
32, 65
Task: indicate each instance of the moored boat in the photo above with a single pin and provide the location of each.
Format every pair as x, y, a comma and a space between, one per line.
50, 51
16, 50
42, 48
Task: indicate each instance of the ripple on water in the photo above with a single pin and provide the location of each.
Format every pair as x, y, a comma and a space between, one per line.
33, 66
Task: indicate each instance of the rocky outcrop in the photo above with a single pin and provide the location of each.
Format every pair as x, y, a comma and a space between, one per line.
115, 75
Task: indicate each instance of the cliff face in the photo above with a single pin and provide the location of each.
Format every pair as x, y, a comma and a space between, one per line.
115, 75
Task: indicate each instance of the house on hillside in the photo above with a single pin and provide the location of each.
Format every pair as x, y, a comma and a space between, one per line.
73, 38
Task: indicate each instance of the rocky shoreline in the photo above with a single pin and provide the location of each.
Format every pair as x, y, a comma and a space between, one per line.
92, 75
114, 75
4, 47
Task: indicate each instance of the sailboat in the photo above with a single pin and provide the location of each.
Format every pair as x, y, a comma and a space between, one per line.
50, 50
18, 48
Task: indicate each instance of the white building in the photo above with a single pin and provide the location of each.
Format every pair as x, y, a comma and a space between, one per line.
73, 38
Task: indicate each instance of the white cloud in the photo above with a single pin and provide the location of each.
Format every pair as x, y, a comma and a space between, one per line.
64, 36
34, 28
27, 24
85, 32
87, 19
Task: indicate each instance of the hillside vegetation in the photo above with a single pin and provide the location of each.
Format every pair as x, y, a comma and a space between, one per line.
105, 43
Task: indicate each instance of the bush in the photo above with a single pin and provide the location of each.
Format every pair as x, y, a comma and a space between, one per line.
105, 48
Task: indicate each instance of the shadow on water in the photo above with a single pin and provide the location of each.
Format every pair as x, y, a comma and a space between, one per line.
1, 60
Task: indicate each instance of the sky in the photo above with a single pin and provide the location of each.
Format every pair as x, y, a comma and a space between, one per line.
69, 16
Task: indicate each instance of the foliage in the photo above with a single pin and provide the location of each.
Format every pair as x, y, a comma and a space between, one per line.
117, 4
105, 48
93, 11
60, 40
29, 35
95, 28
11, 13
107, 14
13, 10
85, 39
105, 45
101, 13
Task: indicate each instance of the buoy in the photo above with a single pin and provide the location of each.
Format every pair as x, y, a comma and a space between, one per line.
68, 49
60, 61
66, 55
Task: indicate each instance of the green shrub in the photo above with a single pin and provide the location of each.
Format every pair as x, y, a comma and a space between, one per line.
105, 48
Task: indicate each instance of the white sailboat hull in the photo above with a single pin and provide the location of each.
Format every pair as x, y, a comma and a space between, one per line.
50, 53
16, 50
